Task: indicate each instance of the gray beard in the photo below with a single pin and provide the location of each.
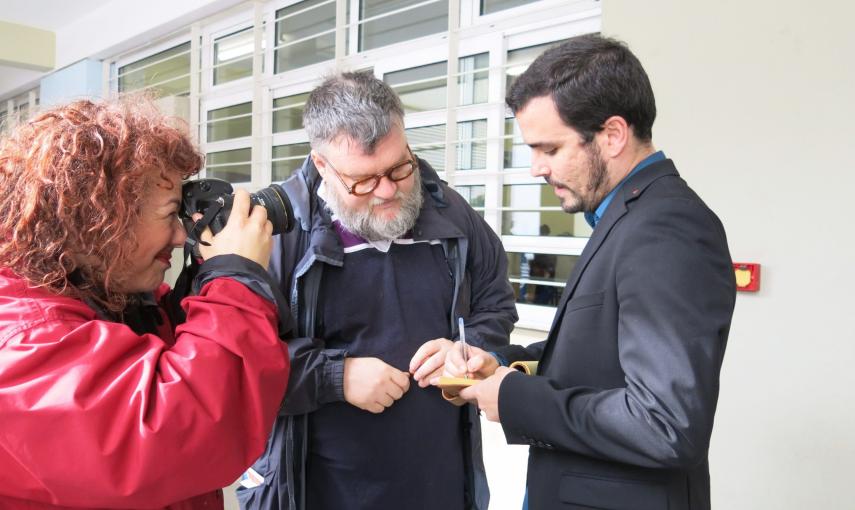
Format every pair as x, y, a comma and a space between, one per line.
373, 228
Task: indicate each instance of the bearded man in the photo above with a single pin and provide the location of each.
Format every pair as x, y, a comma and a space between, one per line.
384, 259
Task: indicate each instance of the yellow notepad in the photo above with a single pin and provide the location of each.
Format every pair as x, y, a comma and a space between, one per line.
453, 385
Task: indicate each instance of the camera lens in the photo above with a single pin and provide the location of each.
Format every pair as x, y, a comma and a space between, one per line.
214, 198
279, 210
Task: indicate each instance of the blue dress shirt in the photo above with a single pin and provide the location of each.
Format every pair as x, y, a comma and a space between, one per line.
594, 217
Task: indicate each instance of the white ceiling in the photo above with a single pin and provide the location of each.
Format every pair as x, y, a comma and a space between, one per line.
47, 14
92, 28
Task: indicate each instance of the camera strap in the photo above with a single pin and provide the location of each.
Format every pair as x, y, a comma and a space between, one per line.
189, 263
183, 285
193, 237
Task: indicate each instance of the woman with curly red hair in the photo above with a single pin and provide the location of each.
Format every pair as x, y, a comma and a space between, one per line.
106, 403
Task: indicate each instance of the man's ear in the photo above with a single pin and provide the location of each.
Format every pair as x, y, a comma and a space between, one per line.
614, 137
319, 162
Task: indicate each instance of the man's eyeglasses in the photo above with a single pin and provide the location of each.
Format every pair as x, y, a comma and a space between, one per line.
399, 172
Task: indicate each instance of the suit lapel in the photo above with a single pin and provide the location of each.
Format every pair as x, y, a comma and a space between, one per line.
613, 214
615, 211
631, 190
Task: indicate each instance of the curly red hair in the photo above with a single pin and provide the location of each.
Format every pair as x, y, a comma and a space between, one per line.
72, 184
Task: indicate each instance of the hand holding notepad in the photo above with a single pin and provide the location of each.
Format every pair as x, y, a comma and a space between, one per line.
468, 366
457, 368
451, 385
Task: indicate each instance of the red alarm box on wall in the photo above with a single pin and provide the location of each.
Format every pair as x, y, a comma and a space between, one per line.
747, 276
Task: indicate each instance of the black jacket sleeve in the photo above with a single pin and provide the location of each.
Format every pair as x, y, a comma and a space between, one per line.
531, 352
317, 373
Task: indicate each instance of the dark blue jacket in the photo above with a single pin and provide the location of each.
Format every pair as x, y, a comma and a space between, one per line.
482, 295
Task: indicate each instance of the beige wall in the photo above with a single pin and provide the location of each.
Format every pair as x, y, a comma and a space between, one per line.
26, 47
756, 101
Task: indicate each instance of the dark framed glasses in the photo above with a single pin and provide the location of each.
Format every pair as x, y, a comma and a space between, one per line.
398, 172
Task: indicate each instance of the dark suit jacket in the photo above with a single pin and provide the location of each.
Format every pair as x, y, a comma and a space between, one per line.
621, 411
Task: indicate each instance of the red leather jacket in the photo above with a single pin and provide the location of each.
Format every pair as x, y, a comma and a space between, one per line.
94, 415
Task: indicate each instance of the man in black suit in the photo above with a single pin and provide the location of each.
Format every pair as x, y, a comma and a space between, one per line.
620, 411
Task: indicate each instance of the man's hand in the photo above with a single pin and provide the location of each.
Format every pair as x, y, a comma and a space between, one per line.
427, 363
485, 394
481, 365
372, 384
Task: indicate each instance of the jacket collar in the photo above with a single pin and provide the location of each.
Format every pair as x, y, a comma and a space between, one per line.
432, 223
302, 190
632, 190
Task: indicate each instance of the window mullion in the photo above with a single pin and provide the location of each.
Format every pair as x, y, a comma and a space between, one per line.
451, 93
195, 119
258, 97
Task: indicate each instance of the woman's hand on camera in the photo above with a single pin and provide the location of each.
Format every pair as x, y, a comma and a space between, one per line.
245, 234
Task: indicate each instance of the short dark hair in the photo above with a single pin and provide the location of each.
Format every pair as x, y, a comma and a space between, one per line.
590, 78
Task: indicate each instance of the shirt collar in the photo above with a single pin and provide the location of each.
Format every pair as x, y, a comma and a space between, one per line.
594, 217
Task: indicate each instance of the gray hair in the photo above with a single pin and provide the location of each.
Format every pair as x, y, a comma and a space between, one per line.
355, 105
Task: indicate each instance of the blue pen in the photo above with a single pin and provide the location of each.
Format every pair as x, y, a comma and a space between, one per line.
463, 345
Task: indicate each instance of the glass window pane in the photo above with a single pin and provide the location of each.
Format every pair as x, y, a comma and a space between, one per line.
288, 112
233, 56
232, 166
167, 72
410, 24
491, 6
474, 195
420, 88
529, 196
428, 143
536, 223
287, 159
305, 25
532, 220
423, 88
473, 80
539, 278
517, 153
230, 122
471, 145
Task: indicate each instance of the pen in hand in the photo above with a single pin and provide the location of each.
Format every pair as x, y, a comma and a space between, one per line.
463, 346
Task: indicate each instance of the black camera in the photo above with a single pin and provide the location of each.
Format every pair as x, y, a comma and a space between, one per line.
213, 198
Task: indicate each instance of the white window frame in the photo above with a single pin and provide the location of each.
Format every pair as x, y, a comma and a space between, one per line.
146, 52
419, 42
224, 28
536, 23
216, 102
294, 75
293, 136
